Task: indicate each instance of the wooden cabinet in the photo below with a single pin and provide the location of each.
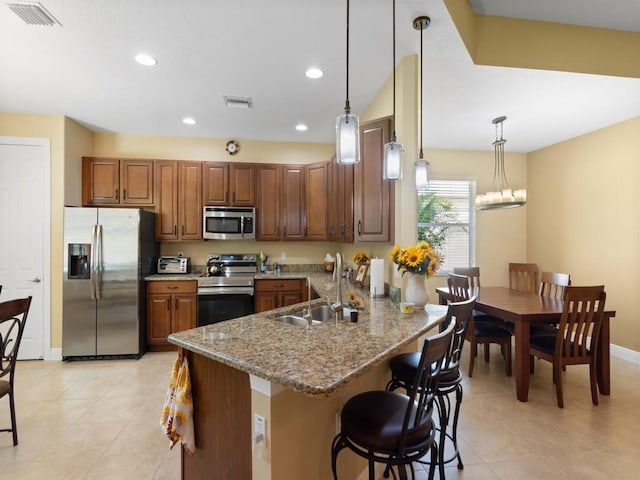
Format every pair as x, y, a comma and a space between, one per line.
276, 293
112, 181
373, 196
280, 202
178, 186
171, 307
317, 184
340, 203
228, 184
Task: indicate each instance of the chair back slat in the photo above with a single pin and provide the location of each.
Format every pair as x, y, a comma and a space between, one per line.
523, 277
553, 284
580, 323
472, 272
458, 287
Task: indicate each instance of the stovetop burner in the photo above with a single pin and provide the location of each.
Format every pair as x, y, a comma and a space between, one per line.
229, 269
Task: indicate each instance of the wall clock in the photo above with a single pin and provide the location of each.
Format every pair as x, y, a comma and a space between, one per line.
232, 147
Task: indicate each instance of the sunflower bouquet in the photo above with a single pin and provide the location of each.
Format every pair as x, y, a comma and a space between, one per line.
355, 303
420, 258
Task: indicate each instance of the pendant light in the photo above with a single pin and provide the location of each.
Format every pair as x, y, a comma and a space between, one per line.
347, 125
392, 163
422, 178
502, 196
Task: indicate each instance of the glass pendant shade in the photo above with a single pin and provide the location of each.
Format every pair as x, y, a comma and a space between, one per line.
347, 139
392, 163
422, 176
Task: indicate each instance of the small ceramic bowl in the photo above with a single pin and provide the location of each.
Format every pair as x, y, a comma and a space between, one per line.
406, 307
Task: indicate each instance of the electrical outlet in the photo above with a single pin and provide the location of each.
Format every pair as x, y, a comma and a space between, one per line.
259, 430
283, 255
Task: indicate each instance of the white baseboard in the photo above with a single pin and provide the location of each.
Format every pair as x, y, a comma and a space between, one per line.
54, 354
625, 354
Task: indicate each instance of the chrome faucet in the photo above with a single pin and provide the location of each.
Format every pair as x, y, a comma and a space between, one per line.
337, 307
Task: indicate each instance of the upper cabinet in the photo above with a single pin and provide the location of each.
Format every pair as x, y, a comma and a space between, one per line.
111, 181
178, 200
280, 202
340, 203
373, 196
317, 189
228, 184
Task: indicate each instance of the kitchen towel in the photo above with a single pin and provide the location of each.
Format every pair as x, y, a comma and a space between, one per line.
177, 413
376, 280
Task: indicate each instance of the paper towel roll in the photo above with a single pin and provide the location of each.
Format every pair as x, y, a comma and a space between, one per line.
376, 277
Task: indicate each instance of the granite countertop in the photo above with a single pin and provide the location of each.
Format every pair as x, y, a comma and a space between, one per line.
316, 362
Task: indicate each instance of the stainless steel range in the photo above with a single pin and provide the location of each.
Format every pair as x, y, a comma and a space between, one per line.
225, 291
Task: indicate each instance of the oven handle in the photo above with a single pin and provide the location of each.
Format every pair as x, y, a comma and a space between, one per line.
225, 291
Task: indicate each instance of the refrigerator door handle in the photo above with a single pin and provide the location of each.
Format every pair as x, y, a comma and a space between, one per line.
92, 266
98, 263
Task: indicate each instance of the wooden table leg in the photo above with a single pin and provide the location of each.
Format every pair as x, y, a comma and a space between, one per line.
522, 333
603, 367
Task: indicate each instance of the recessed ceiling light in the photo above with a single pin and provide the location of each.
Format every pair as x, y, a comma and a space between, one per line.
301, 127
188, 121
146, 60
314, 72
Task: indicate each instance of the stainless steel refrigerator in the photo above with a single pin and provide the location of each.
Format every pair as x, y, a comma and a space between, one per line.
107, 254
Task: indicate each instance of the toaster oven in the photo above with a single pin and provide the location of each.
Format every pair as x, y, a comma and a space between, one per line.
174, 265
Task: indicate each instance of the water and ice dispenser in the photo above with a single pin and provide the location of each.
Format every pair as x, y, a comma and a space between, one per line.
79, 261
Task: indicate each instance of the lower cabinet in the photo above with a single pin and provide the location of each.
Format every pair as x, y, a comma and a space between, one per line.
270, 294
171, 307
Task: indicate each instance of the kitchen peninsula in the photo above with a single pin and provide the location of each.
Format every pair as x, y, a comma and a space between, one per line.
296, 379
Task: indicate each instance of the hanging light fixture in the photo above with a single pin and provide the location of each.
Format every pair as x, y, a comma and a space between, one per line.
502, 196
392, 163
422, 177
347, 125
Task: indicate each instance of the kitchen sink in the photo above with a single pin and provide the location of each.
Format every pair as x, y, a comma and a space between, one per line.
319, 314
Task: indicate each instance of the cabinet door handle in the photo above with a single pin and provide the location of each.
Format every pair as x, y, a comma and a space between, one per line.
278, 231
172, 287
226, 197
182, 234
117, 194
234, 198
280, 285
175, 230
124, 194
284, 231
359, 227
330, 231
168, 304
306, 231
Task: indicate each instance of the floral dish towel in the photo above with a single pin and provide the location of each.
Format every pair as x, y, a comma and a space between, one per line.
177, 413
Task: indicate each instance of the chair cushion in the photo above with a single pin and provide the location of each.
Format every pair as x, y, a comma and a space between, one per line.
4, 387
404, 366
374, 421
547, 344
484, 330
539, 330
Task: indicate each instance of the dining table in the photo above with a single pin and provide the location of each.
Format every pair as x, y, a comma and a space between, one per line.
522, 310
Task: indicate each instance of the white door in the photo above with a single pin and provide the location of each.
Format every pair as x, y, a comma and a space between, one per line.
25, 234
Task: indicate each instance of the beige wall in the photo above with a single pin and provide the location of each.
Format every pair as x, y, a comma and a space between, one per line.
583, 217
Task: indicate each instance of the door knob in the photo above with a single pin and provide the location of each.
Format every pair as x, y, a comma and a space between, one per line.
36, 280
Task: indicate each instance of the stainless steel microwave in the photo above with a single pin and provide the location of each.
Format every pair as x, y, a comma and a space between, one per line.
229, 223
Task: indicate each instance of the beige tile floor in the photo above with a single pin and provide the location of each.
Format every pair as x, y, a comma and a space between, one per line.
100, 420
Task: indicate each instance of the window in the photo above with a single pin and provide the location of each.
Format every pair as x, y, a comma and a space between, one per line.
446, 219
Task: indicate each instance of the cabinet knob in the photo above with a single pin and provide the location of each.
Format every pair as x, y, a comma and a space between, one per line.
124, 194
117, 194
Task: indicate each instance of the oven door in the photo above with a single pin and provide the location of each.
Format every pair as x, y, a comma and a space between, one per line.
217, 304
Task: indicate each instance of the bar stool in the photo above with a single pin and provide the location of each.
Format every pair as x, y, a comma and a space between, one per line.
404, 367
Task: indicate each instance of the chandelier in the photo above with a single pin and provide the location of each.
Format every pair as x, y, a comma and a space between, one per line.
502, 196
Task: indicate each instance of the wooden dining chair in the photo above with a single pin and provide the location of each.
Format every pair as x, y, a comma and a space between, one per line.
552, 285
480, 333
523, 277
472, 272
392, 428
13, 315
577, 338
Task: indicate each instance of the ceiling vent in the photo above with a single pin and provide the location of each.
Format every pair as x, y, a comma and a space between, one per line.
234, 101
33, 14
